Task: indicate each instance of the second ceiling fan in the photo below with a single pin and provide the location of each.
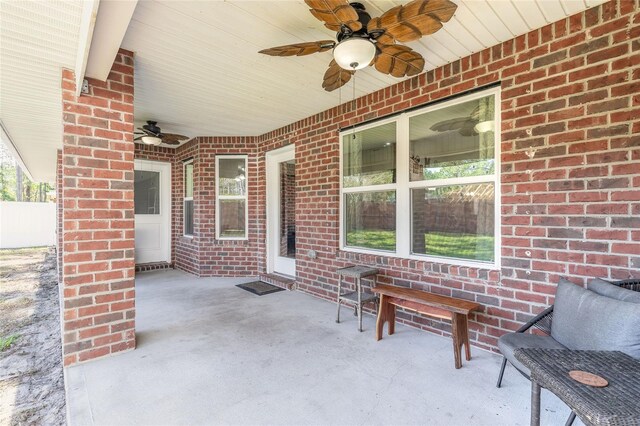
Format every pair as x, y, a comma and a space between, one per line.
363, 41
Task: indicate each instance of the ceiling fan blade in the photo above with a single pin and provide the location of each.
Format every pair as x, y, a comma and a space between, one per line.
335, 13
398, 60
172, 138
413, 20
300, 49
450, 124
335, 77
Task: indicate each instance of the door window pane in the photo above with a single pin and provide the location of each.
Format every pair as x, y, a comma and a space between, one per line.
369, 156
232, 176
146, 192
371, 220
455, 141
454, 221
288, 209
232, 218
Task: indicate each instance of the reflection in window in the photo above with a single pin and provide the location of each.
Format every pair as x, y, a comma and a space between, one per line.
454, 221
188, 198
369, 156
371, 220
288, 209
452, 142
146, 192
231, 196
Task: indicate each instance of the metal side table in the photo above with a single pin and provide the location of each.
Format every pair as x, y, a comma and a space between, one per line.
358, 297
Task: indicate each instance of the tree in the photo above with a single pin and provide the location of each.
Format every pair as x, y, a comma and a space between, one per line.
14, 185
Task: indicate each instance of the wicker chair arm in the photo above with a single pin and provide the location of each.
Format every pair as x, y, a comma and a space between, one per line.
533, 321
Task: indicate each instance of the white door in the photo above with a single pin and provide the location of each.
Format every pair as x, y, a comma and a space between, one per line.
281, 213
152, 186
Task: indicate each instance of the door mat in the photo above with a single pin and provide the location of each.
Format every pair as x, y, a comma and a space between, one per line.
260, 288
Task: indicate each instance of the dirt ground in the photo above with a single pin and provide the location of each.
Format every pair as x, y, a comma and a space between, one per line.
31, 378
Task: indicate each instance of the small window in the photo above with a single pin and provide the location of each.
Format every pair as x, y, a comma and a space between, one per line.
231, 197
188, 198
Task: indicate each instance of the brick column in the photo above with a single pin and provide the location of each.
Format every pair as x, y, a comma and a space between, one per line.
97, 233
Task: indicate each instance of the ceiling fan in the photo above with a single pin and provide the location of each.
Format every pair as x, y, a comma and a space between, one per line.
150, 134
364, 41
480, 120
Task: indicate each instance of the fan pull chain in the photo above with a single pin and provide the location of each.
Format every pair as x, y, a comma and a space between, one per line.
354, 103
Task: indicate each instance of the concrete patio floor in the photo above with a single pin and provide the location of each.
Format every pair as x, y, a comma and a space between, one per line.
211, 353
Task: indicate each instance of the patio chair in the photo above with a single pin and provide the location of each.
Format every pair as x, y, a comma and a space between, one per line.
541, 325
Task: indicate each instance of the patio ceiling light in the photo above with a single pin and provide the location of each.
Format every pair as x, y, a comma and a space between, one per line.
151, 140
354, 53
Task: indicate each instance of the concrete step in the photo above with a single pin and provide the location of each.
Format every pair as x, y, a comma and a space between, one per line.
279, 280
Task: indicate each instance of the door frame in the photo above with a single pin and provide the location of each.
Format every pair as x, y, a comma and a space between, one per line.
276, 263
164, 169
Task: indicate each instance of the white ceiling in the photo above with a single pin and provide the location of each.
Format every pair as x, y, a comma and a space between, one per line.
37, 40
197, 67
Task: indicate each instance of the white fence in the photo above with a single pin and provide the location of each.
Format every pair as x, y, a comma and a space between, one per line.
27, 224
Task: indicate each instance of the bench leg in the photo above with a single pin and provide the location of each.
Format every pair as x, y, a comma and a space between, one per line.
456, 335
391, 317
382, 316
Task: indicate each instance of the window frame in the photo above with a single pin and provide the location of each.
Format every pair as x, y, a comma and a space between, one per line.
244, 197
185, 198
403, 185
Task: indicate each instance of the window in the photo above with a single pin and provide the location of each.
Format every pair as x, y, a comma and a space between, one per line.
231, 197
145, 192
188, 198
424, 184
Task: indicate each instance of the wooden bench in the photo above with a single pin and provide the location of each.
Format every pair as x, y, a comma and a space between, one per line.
434, 305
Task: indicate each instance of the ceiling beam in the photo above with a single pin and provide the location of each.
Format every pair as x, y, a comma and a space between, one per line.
87, 25
111, 25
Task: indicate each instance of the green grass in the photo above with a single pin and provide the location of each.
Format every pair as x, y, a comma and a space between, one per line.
6, 342
465, 246
461, 246
373, 239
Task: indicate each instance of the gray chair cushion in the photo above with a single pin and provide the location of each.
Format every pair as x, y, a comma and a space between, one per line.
585, 320
512, 341
605, 288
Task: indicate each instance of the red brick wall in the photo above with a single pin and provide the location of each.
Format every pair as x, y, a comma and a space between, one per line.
203, 254
98, 216
572, 91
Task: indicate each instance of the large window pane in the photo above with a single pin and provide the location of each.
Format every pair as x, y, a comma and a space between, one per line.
188, 180
369, 156
454, 221
146, 194
232, 176
232, 219
371, 220
188, 217
455, 141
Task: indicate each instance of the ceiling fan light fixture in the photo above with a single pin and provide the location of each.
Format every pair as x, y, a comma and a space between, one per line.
485, 126
151, 140
354, 53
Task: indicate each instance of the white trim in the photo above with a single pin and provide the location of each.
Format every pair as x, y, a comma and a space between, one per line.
87, 25
244, 197
286, 266
403, 185
185, 198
